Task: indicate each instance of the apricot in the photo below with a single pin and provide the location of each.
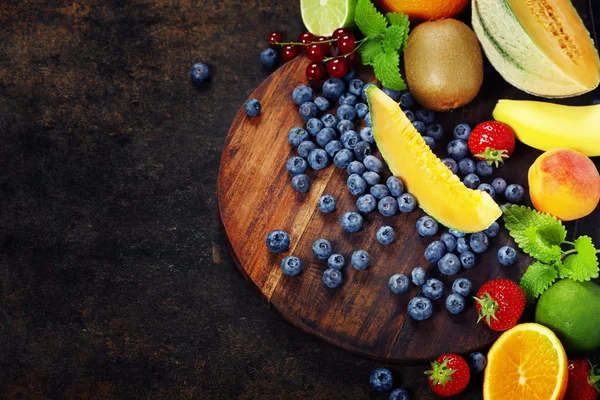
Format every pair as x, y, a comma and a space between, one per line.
564, 183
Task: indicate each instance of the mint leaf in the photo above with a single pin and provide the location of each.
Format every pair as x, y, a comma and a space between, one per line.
369, 50
563, 273
387, 70
401, 20
533, 244
393, 38
584, 264
538, 278
368, 19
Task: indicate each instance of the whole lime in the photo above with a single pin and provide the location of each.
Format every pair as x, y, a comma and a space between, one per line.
572, 310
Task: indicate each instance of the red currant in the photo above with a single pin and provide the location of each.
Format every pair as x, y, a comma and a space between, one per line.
315, 71
315, 52
289, 51
352, 58
340, 32
326, 45
274, 38
306, 38
338, 67
346, 43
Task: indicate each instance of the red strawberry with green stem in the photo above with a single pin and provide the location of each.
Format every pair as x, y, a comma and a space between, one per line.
500, 303
492, 141
584, 381
449, 375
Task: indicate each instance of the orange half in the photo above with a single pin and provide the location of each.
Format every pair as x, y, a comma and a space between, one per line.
527, 362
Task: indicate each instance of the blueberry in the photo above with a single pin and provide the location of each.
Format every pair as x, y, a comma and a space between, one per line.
379, 191
301, 183
302, 94
327, 204
462, 245
466, 166
467, 259
449, 241
455, 303
314, 126
451, 164
372, 178
372, 163
514, 193
366, 134
386, 235
325, 136
507, 256
347, 99
278, 241
477, 362
433, 289
449, 264
435, 251
366, 203
343, 158
362, 150
393, 94
456, 233
486, 187
479, 242
200, 73
305, 148
291, 266
492, 230
462, 131
407, 203
351, 221
329, 120
322, 103
427, 226
356, 184
410, 115
425, 115
350, 75
360, 260
332, 278
420, 308
317, 159
355, 87
297, 136
418, 275
361, 110
296, 166
399, 283
269, 58
333, 147
457, 149
321, 249
344, 126
308, 110
252, 107
407, 100
333, 88
429, 141
462, 286
349, 139
395, 186
381, 380
356, 167
472, 181
419, 126
368, 120
346, 112
483, 169
435, 131
387, 206
499, 185
399, 394
363, 93
335, 261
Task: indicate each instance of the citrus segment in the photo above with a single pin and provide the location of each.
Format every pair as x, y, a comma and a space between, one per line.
322, 17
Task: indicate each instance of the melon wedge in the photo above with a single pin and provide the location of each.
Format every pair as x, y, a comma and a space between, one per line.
439, 192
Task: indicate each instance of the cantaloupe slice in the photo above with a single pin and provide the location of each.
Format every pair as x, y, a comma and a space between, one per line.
439, 192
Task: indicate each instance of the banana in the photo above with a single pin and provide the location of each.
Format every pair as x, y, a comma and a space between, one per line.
546, 126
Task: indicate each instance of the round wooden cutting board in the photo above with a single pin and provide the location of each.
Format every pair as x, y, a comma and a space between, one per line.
363, 315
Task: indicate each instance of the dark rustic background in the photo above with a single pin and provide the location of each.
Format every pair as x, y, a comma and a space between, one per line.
115, 280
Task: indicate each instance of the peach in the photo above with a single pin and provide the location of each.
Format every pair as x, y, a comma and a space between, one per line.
564, 183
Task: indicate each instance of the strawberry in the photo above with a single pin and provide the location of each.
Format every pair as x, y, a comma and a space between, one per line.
500, 303
449, 375
584, 381
492, 141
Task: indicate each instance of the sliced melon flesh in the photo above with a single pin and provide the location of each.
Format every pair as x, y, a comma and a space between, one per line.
439, 192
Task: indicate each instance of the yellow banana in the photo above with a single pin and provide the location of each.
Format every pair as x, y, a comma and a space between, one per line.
546, 126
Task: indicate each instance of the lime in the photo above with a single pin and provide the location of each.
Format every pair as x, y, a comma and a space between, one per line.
322, 17
570, 309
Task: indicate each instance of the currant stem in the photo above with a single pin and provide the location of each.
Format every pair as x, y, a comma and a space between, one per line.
358, 44
304, 44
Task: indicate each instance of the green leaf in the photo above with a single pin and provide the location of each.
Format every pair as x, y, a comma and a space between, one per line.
368, 19
369, 50
533, 244
538, 278
397, 19
387, 70
563, 273
392, 38
584, 264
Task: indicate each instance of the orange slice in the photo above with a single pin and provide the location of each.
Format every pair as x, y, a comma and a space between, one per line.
527, 362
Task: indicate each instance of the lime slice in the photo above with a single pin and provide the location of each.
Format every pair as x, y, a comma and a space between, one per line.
322, 17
